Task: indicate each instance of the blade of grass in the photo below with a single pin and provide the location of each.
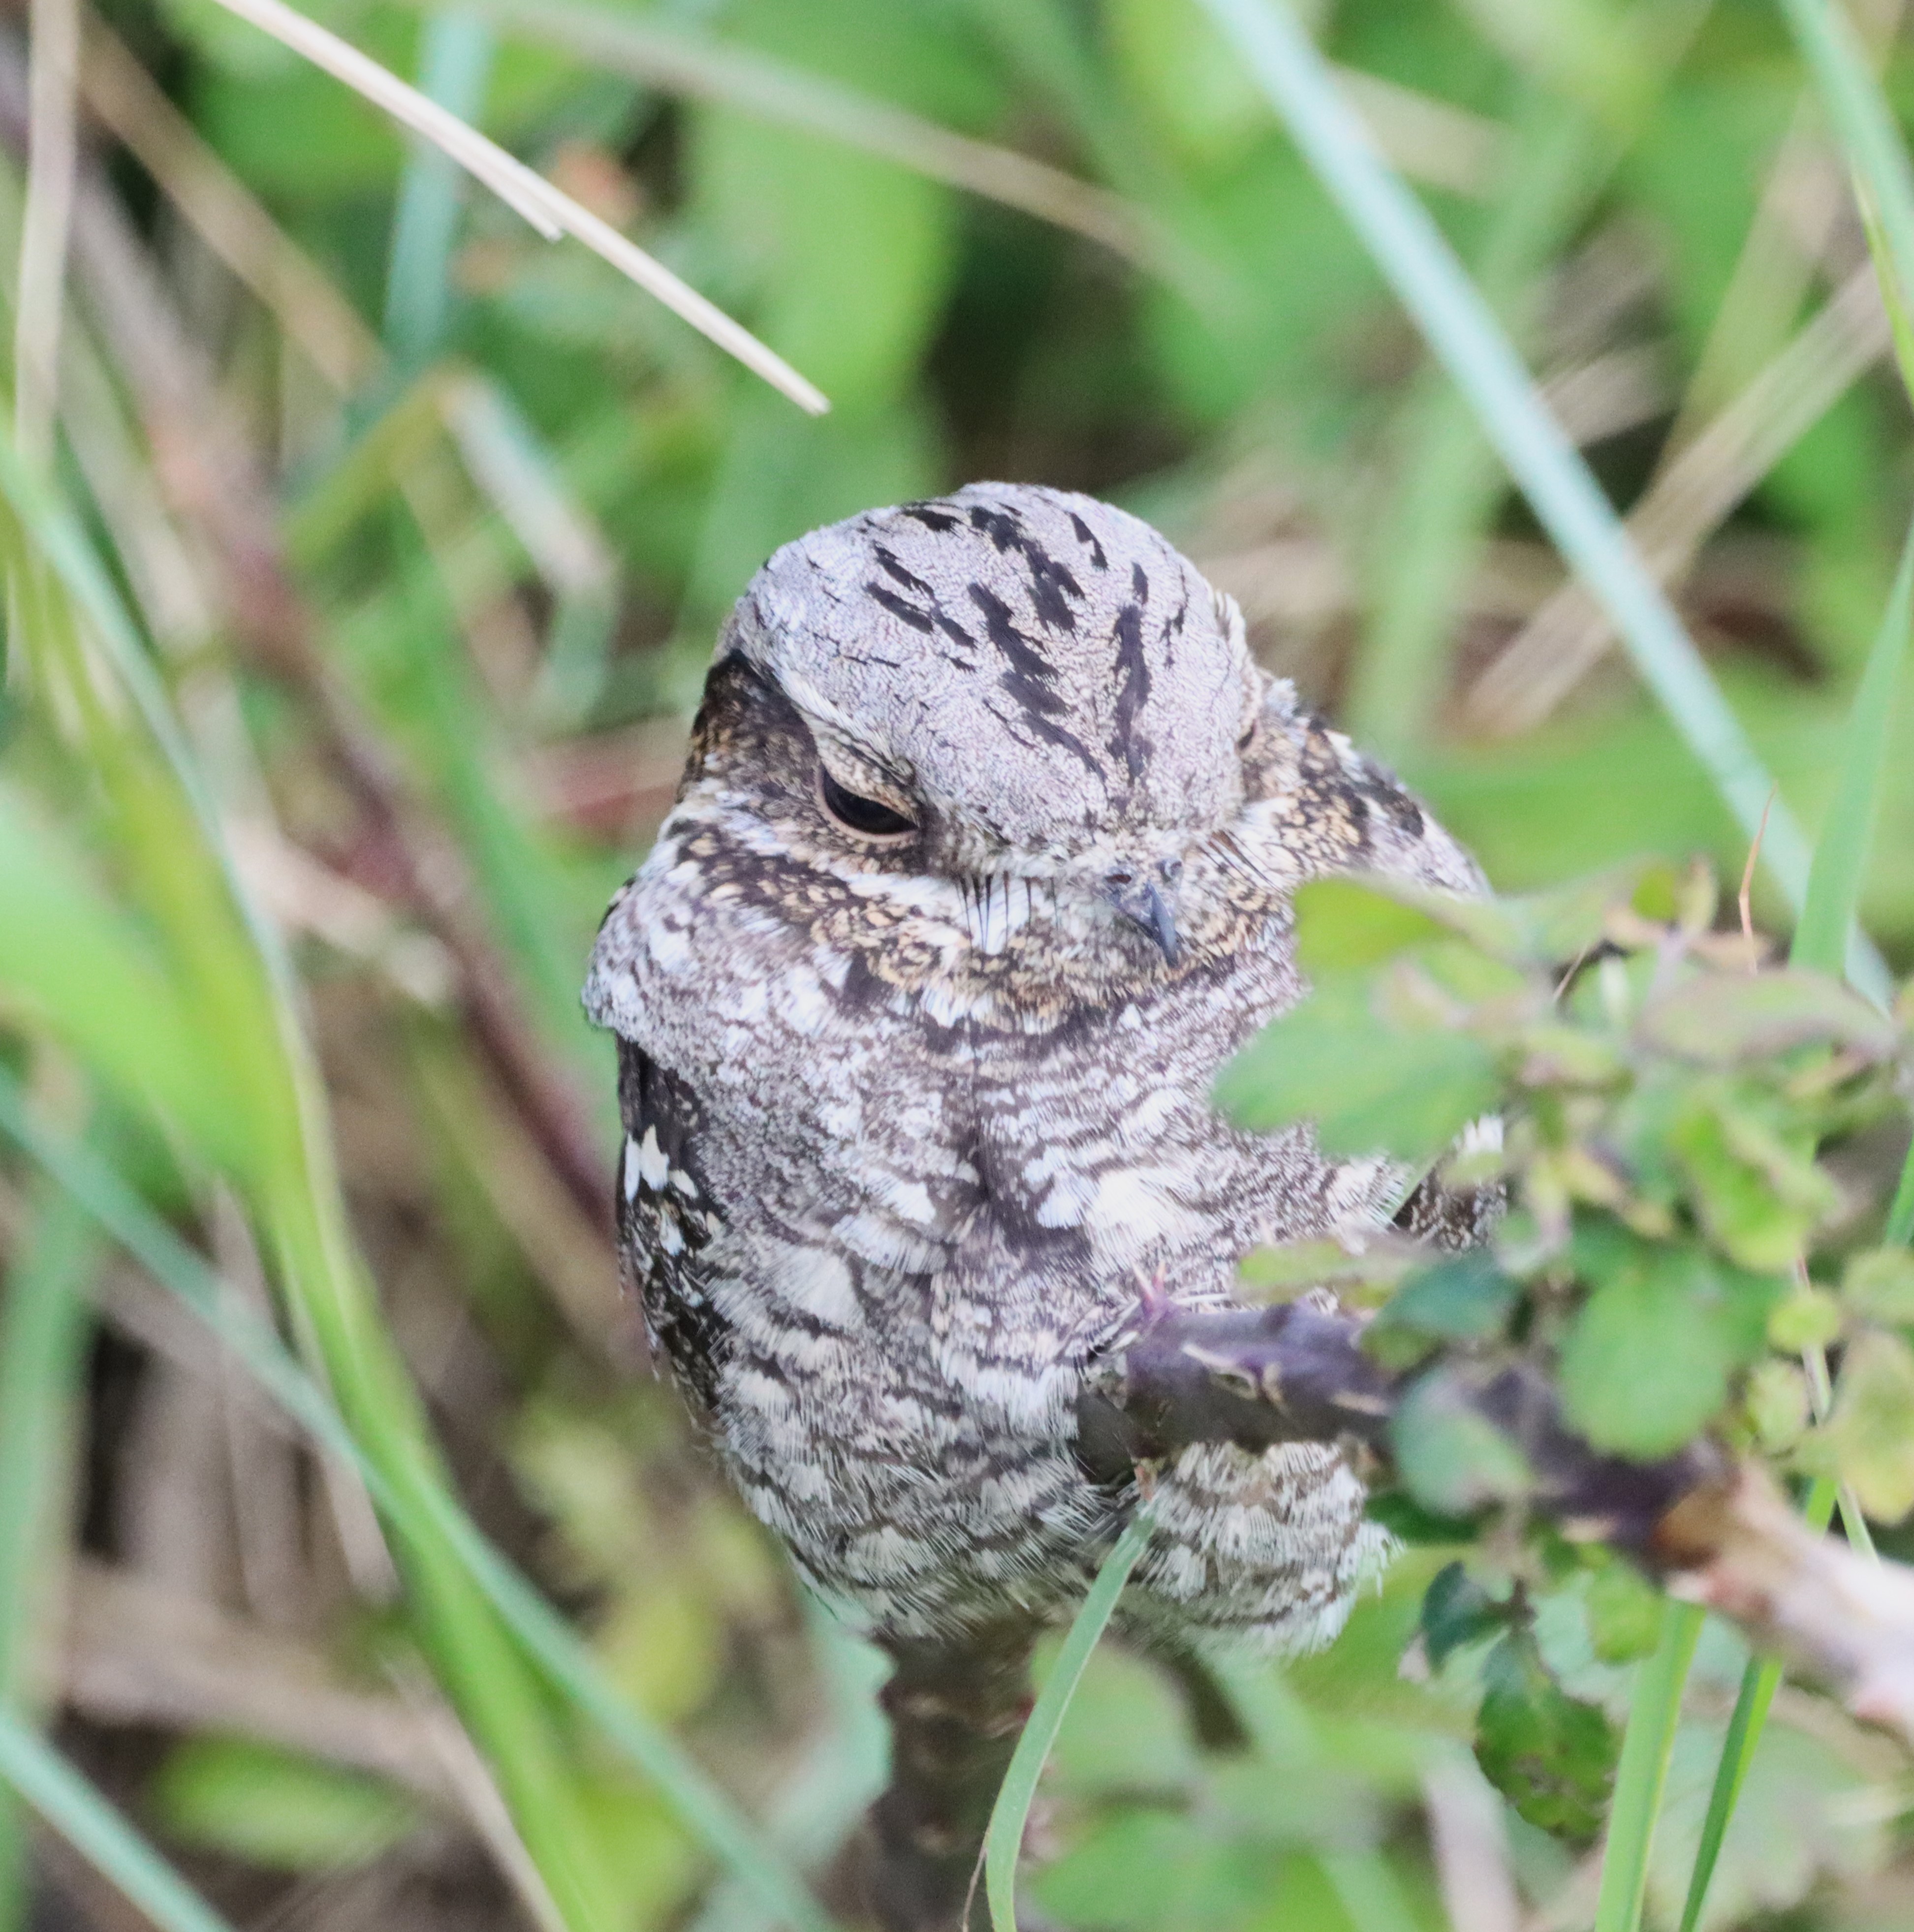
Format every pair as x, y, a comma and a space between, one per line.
704, 1809
98, 1833
42, 1330
1901, 1216
1861, 116
51, 154
1824, 935
231, 975
1641, 1773
1464, 334
454, 65
549, 210
1760, 1681
1004, 1841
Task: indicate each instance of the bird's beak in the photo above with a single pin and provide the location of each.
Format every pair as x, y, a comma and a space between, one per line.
1147, 903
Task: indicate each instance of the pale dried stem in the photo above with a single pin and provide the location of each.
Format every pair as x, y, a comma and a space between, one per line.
549, 210
51, 156
225, 213
1568, 636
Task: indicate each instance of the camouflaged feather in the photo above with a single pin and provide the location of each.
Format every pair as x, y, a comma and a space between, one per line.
909, 1119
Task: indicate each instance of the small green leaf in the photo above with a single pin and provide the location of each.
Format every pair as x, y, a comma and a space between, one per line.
275, 1809
1550, 1755
1645, 1365
1453, 1460
1625, 1612
1776, 1398
1810, 1317
1455, 1611
1871, 1432
1746, 1215
1368, 1087
1465, 1298
1879, 1283
1721, 1018
1343, 925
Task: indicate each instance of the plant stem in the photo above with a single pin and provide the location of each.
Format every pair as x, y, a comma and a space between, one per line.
1012, 1810
98, 1833
42, 1330
1643, 1773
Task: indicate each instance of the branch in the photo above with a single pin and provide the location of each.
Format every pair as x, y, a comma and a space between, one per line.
1708, 1528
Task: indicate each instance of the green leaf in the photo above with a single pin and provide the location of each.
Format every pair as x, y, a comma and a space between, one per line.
276, 1809
1367, 1087
1646, 1362
1455, 1611
1465, 1298
1834, 882
1758, 1200
1625, 1611
1452, 1459
1721, 1018
1879, 1284
71, 962
1344, 924
1871, 1432
1550, 1755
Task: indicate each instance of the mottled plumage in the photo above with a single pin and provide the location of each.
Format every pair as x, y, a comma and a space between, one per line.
980, 868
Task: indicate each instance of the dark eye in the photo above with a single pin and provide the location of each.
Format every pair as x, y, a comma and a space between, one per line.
868, 817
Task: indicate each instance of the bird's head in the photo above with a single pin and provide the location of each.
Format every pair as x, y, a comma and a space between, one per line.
1021, 696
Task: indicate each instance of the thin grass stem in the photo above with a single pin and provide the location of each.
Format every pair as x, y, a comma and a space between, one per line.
1464, 334
1004, 1842
417, 1502
1837, 59
455, 63
81, 1815
43, 1327
1642, 1775
1823, 937
549, 210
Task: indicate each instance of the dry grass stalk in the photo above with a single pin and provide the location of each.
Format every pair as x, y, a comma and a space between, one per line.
1568, 636
548, 209
53, 154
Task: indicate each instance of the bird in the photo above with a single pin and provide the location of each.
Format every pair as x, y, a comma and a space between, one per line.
982, 865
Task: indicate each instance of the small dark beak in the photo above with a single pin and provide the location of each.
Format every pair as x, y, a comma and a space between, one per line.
1146, 904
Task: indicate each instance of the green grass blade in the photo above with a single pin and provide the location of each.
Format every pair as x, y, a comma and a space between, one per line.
1901, 1216
1862, 118
455, 63
43, 1331
1642, 1772
422, 1506
1823, 937
1463, 331
1011, 1813
1760, 1682
98, 1833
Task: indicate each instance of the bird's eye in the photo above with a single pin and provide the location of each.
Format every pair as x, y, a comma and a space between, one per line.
869, 817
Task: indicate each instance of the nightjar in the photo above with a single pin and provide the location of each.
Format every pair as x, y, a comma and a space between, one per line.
981, 867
